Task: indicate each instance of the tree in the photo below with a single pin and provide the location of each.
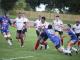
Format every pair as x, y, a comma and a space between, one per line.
7, 5
33, 3
74, 5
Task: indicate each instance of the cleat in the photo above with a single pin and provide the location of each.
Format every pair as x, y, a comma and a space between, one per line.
66, 53
41, 48
70, 54
45, 47
76, 52
22, 46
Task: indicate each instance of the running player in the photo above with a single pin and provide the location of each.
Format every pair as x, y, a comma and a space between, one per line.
20, 26
5, 29
25, 27
76, 29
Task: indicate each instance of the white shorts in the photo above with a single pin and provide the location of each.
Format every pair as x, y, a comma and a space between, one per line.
6, 35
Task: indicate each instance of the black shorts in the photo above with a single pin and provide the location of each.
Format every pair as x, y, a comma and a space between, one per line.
37, 32
44, 35
19, 31
78, 35
24, 30
60, 32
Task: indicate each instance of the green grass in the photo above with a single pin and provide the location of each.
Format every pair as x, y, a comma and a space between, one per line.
16, 51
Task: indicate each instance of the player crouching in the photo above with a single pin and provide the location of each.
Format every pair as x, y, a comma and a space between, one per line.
73, 40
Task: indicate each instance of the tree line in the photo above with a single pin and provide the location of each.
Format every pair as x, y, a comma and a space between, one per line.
74, 5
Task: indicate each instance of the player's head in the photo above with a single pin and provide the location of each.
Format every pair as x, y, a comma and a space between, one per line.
69, 25
43, 19
19, 14
77, 23
57, 17
49, 26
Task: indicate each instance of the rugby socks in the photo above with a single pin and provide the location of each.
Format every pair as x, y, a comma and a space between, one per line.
62, 41
79, 44
36, 45
44, 43
74, 49
9, 42
22, 42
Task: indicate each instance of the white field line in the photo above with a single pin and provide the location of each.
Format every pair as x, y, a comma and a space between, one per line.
18, 58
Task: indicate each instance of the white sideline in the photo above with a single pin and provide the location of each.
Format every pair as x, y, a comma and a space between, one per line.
18, 58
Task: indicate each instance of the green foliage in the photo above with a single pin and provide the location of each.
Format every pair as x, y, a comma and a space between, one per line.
74, 5
7, 5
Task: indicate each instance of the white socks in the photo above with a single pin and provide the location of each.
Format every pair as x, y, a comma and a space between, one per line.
74, 49
9, 42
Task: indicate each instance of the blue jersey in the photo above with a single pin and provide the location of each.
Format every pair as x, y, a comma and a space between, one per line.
53, 37
0, 22
72, 35
5, 24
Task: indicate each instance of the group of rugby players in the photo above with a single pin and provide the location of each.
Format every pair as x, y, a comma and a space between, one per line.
44, 30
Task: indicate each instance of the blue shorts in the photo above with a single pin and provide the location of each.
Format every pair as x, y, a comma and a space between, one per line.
56, 40
74, 40
4, 31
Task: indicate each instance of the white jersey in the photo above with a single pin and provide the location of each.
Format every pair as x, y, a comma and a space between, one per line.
25, 19
44, 25
76, 28
58, 25
37, 24
19, 23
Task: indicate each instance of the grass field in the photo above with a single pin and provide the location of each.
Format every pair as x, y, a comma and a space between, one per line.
17, 53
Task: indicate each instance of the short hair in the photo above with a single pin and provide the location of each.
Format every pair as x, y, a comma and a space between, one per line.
69, 25
77, 21
57, 15
43, 18
49, 26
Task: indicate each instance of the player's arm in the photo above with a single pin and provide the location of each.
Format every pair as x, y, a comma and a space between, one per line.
14, 24
9, 22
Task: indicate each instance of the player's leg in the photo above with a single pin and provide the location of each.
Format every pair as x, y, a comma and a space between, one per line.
79, 41
18, 35
70, 46
43, 42
6, 37
79, 44
62, 50
38, 40
37, 43
37, 33
9, 38
61, 35
21, 35
24, 33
